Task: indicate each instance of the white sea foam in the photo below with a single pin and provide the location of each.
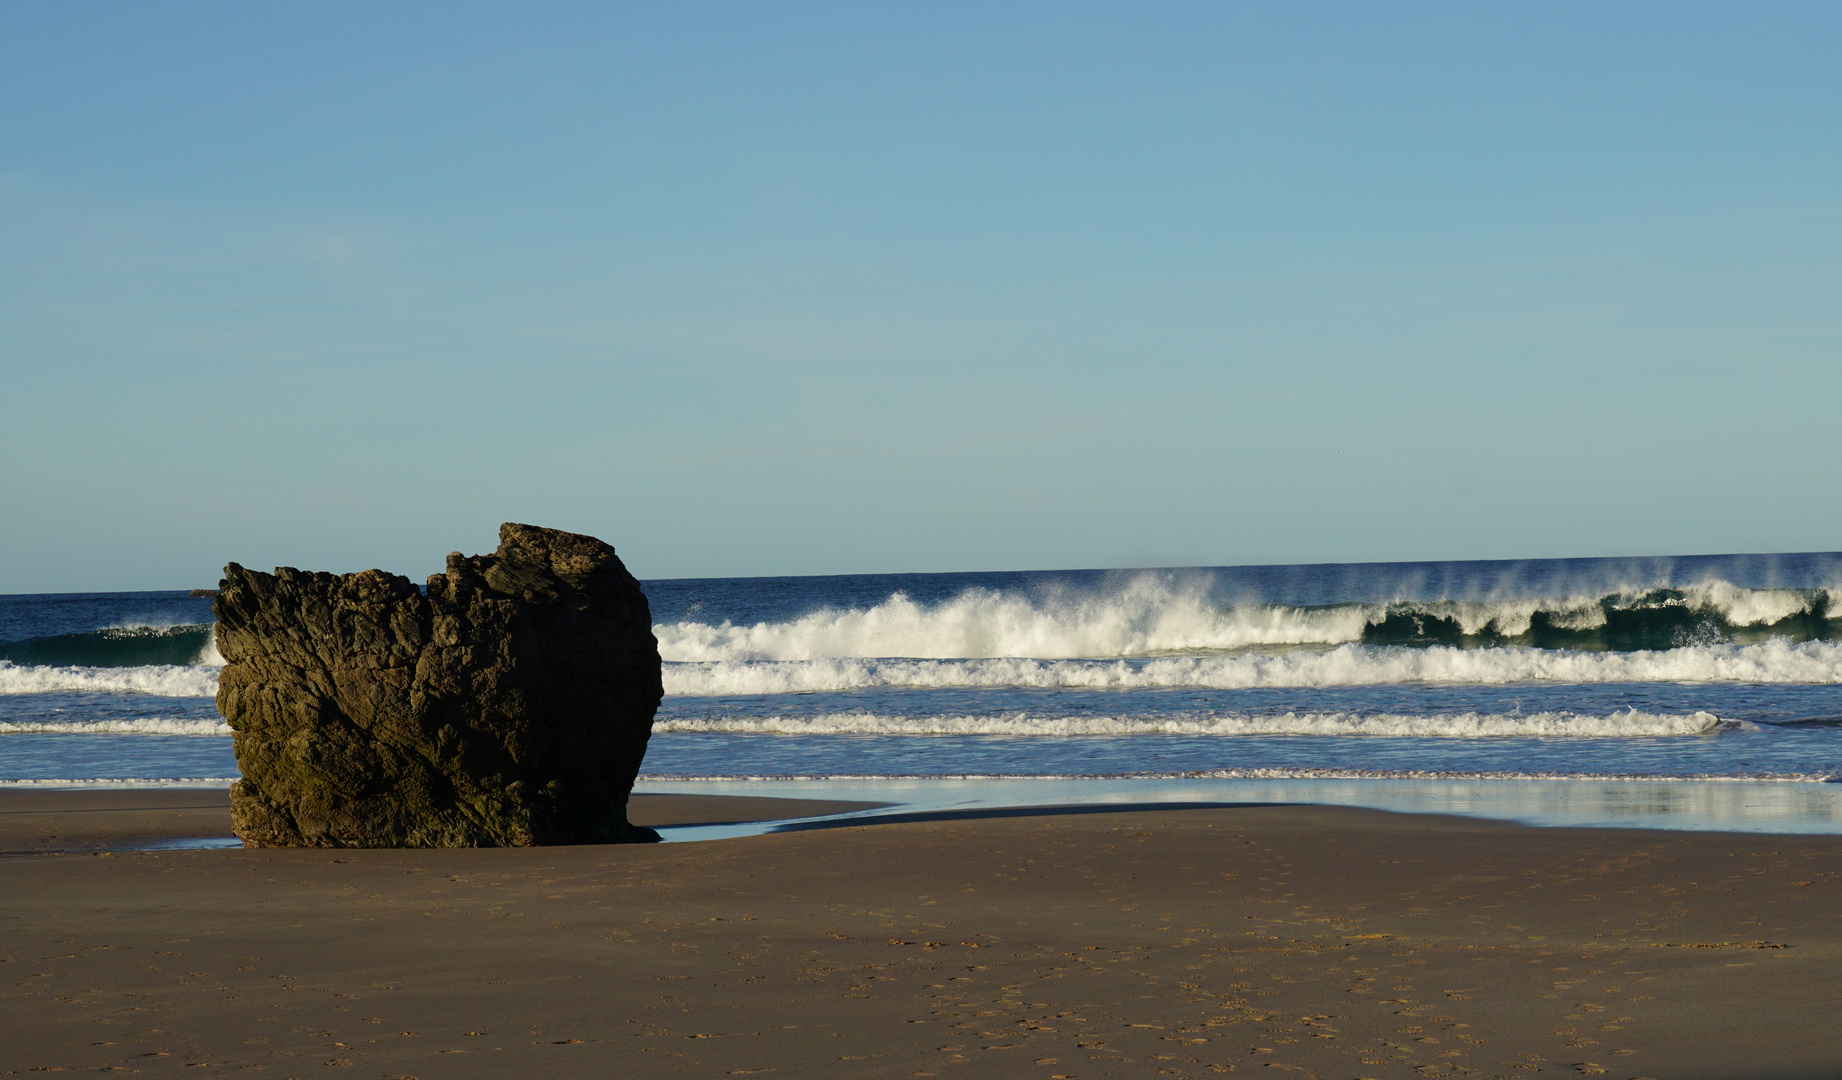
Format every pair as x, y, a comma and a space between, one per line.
107, 782
1299, 773
1153, 614
140, 726
1773, 661
1747, 607
1469, 725
165, 680
1149, 615
1732, 604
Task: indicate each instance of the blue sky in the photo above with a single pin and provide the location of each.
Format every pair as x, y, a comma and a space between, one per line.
762, 289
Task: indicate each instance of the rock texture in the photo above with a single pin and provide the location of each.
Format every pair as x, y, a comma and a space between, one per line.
510, 705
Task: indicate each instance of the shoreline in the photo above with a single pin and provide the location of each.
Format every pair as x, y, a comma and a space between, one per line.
1772, 807
1763, 806
1040, 942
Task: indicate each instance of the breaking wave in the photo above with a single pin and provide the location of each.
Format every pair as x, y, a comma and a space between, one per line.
192, 680
1776, 661
117, 646
1631, 724
1157, 614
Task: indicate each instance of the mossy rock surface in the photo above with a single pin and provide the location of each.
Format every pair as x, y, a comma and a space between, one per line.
509, 704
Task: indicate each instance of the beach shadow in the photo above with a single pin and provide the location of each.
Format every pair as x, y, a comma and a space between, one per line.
987, 813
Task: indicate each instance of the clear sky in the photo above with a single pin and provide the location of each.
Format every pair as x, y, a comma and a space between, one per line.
792, 288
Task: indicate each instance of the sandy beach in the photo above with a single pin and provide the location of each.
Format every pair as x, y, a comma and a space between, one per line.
1315, 941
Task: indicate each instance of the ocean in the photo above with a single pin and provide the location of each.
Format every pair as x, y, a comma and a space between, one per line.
1573, 675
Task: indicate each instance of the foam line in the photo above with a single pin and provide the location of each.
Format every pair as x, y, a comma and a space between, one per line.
164, 680
1251, 774
1630, 724
144, 726
107, 782
1773, 661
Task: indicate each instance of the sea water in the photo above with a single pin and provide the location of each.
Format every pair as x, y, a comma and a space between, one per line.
1679, 672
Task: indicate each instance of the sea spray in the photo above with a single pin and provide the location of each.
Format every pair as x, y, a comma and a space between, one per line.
1152, 615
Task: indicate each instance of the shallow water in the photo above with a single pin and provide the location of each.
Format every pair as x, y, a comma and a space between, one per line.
1728, 806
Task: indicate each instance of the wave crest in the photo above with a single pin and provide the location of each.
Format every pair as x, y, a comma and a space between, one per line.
1147, 616
1155, 614
128, 645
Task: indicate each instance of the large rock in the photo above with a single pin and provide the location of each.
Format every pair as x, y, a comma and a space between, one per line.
508, 706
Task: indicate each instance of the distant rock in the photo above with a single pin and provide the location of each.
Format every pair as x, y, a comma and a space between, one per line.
510, 705
197, 593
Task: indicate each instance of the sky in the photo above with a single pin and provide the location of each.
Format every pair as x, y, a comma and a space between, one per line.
752, 289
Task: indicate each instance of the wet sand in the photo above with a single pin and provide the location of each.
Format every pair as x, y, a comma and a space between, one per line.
73, 820
1252, 940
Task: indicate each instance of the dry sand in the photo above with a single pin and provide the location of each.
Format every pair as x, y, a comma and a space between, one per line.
1260, 941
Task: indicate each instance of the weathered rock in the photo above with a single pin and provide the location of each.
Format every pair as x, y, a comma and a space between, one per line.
509, 705
197, 594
